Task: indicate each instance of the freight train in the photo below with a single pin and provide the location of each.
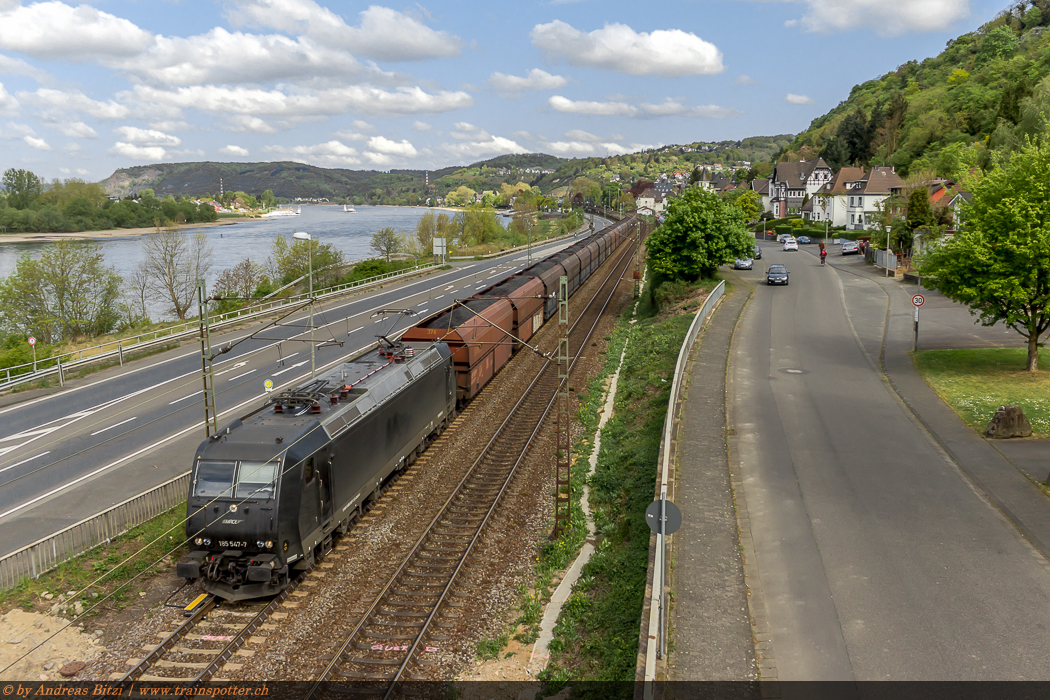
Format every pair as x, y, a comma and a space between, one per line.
269, 491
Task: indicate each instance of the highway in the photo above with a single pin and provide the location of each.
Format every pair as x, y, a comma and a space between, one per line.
879, 559
107, 437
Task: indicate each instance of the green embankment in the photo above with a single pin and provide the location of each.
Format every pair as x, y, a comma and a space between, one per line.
974, 383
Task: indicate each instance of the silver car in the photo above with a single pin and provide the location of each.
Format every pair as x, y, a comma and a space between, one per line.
743, 264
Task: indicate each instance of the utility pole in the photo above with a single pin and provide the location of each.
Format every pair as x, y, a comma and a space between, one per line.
563, 455
211, 418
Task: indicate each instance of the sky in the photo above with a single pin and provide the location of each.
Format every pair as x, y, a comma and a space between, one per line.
89, 88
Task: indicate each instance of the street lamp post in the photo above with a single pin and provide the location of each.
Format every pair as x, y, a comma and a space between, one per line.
304, 236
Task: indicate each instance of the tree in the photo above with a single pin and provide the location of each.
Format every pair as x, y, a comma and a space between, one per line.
701, 233
480, 225
386, 242
999, 263
750, 203
426, 228
524, 223
998, 43
174, 261
240, 280
67, 293
23, 187
290, 261
920, 214
586, 188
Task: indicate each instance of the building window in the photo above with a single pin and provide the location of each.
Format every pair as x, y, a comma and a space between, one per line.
852, 218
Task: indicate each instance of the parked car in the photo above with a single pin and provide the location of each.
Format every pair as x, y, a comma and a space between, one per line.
758, 253
850, 248
777, 274
804, 240
783, 237
791, 244
743, 264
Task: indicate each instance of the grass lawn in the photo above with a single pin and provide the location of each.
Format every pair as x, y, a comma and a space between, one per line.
976, 382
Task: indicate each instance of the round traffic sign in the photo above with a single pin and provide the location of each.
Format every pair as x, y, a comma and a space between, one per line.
268, 385
672, 519
918, 300
32, 340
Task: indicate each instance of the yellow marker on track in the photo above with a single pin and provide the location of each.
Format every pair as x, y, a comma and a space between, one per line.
196, 601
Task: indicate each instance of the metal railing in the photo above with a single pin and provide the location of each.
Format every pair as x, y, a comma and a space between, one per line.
653, 640
115, 349
520, 248
45, 554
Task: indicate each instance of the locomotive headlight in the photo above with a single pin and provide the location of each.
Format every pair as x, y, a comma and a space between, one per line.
269, 544
199, 541
260, 544
207, 541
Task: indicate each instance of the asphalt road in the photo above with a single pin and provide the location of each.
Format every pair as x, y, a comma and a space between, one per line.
878, 558
112, 435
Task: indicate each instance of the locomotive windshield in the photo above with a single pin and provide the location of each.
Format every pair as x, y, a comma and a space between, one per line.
214, 478
256, 479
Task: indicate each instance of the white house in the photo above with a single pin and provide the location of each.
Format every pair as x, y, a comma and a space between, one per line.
830, 202
866, 196
791, 182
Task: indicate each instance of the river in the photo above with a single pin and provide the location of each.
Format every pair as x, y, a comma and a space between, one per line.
350, 233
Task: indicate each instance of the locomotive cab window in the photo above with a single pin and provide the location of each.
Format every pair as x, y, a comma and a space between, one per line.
214, 478
256, 479
308, 471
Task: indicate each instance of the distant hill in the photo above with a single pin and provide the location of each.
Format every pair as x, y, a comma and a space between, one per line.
986, 91
290, 180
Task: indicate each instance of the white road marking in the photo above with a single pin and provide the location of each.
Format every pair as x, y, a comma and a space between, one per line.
440, 297
186, 397
226, 371
357, 329
241, 375
422, 310
287, 357
28, 459
289, 369
451, 286
99, 432
122, 460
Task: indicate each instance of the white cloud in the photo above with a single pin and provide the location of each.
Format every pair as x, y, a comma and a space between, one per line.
669, 53
798, 99
305, 103
384, 145
76, 130
16, 66
527, 136
584, 147
172, 125
345, 135
378, 158
242, 123
886, 17
60, 101
536, 80
34, 142
384, 34
136, 152
677, 108
234, 151
54, 30
332, 153
607, 109
421, 126
148, 137
746, 80
580, 135
491, 146
14, 130
363, 126
8, 103
221, 56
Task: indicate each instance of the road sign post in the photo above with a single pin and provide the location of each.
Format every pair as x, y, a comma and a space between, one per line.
32, 344
918, 300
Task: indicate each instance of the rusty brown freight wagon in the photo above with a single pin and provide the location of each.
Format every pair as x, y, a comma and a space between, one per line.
525, 294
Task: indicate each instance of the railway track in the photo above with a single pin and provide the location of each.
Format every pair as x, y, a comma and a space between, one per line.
393, 631
390, 643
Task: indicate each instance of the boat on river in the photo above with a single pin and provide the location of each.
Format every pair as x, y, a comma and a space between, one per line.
349, 209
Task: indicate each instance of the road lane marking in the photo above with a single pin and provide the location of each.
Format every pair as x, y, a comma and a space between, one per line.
28, 459
99, 432
355, 330
241, 375
288, 357
198, 393
236, 366
451, 286
440, 297
289, 369
195, 426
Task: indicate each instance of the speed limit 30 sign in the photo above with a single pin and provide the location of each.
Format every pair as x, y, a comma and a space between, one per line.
918, 300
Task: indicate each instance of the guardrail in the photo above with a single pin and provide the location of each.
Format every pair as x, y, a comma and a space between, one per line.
653, 638
45, 554
518, 249
56, 365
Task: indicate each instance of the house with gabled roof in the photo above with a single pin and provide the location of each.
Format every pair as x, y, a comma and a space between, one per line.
829, 203
791, 182
761, 187
865, 197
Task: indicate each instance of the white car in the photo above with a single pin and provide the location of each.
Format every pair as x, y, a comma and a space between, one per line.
791, 244
850, 248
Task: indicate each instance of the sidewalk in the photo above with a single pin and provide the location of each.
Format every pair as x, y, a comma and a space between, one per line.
710, 626
1003, 481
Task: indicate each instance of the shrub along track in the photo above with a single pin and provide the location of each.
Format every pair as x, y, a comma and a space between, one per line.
331, 601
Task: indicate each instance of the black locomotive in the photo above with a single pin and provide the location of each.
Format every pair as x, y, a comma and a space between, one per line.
270, 489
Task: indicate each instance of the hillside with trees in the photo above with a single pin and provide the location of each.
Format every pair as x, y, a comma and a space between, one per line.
987, 91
